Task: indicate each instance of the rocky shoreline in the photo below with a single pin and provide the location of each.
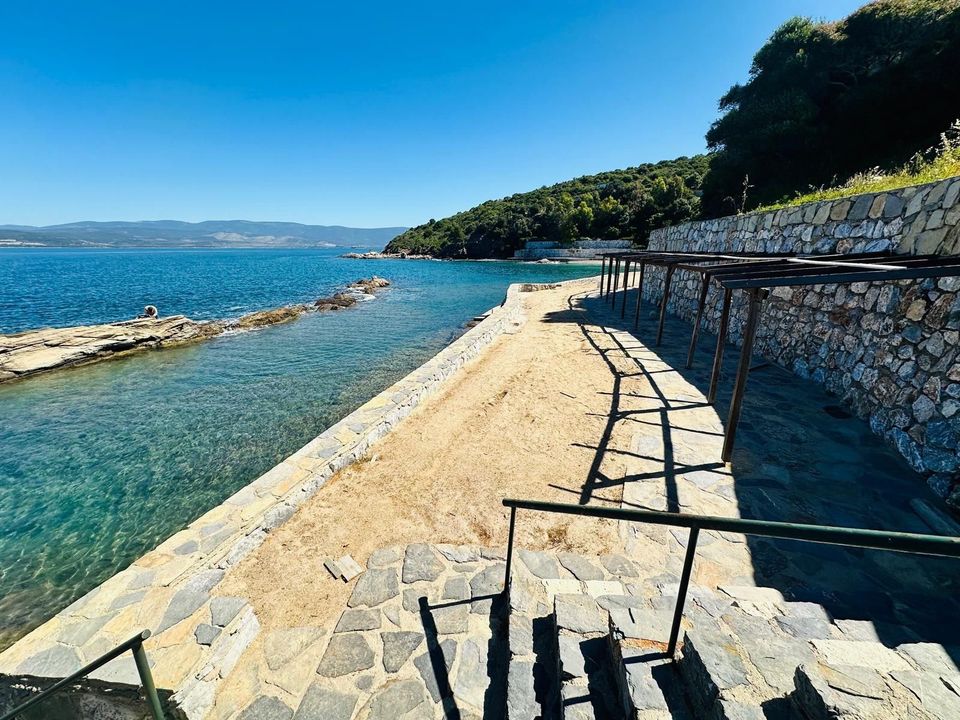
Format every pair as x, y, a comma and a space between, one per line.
374, 255
36, 351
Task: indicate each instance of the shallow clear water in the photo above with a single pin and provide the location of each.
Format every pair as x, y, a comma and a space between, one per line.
99, 464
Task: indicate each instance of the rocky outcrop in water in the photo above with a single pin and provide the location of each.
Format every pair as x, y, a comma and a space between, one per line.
373, 255
36, 351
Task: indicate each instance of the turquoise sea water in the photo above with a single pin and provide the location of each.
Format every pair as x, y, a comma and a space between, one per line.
101, 463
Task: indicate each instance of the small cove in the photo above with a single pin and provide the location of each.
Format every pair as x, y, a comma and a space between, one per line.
101, 463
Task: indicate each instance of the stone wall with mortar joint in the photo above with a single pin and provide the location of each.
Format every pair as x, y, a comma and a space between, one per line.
198, 635
579, 249
891, 351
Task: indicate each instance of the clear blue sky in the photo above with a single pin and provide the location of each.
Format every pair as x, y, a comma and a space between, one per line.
359, 113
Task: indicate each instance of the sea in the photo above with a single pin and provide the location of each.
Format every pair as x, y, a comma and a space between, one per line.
101, 463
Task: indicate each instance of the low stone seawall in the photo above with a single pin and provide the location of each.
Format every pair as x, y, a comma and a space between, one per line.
198, 636
890, 350
578, 250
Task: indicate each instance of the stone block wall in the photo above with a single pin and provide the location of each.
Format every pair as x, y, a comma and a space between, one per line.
891, 350
579, 249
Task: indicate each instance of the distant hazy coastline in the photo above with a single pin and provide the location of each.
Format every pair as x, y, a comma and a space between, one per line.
206, 234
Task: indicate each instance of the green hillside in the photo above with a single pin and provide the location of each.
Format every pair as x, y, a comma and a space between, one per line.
617, 204
827, 101
829, 108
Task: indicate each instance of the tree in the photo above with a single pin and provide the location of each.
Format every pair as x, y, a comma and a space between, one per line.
827, 100
615, 204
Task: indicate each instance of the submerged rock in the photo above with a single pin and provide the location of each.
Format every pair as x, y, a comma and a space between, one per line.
270, 317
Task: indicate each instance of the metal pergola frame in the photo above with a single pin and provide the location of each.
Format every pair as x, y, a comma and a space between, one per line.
668, 260
755, 274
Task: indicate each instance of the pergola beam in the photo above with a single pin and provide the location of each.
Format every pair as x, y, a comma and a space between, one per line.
756, 274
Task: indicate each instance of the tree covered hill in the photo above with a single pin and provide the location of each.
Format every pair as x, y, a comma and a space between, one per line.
617, 204
871, 97
828, 100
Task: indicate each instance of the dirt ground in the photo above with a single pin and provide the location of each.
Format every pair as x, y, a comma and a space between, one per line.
523, 419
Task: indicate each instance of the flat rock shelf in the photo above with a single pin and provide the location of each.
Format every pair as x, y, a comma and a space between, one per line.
36, 351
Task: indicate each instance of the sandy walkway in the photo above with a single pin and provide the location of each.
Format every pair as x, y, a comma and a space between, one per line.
522, 420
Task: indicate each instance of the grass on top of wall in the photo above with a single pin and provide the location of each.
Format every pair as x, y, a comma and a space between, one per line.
937, 163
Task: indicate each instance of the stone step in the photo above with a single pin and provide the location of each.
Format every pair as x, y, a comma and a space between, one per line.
716, 675
827, 691
532, 687
649, 684
588, 688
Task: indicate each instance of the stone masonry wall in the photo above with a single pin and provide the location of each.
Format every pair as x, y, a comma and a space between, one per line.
579, 249
891, 351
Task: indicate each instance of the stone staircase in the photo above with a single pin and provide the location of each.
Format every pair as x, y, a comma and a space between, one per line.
593, 649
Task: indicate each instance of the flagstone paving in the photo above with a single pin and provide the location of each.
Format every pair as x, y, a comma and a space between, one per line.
766, 595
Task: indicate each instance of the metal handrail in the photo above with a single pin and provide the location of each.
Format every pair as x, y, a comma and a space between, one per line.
914, 543
134, 644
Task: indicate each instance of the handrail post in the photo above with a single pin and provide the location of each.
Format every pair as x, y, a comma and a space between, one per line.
506, 571
682, 590
146, 679
134, 645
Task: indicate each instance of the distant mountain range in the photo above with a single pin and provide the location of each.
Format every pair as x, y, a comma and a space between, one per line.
210, 233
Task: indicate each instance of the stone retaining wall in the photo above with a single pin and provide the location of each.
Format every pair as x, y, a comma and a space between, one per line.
198, 636
890, 350
578, 250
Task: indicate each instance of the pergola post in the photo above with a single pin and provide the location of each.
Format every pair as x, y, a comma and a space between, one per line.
609, 275
616, 281
663, 306
626, 286
636, 319
704, 286
603, 269
721, 342
743, 370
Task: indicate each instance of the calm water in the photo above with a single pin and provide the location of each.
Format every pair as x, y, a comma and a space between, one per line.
99, 464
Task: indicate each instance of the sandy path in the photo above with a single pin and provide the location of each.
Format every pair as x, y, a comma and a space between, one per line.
522, 420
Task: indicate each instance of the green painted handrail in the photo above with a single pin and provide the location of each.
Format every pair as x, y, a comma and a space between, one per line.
914, 543
135, 645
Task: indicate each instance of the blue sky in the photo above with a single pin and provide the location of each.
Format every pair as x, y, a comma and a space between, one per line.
363, 114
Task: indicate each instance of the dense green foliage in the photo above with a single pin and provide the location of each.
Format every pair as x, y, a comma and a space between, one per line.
825, 101
830, 109
927, 167
618, 204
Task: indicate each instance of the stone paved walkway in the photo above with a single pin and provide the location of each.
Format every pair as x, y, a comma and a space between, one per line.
800, 457
422, 633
